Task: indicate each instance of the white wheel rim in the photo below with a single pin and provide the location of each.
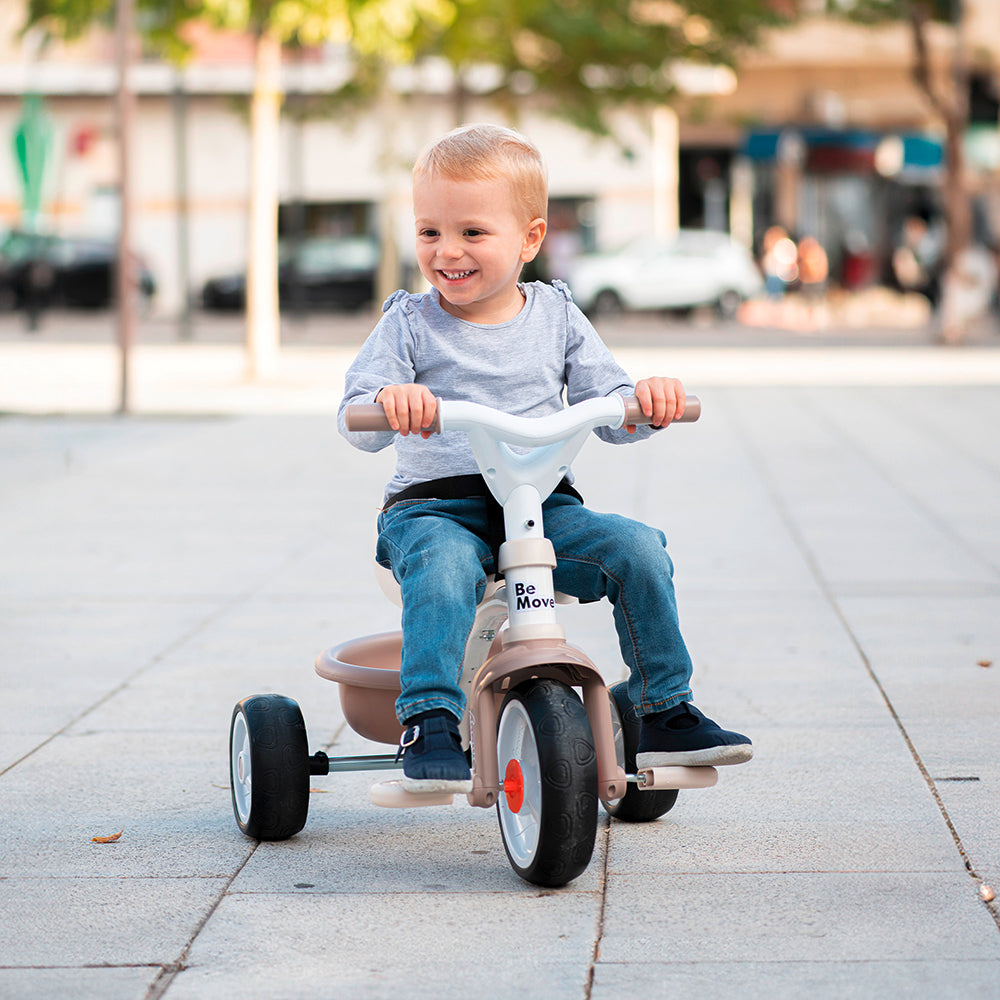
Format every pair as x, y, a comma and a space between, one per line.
516, 741
239, 756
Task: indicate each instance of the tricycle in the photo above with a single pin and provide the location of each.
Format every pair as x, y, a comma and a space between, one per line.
545, 736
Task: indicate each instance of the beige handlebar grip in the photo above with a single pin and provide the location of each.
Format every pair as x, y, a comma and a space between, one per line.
634, 414
366, 417
371, 417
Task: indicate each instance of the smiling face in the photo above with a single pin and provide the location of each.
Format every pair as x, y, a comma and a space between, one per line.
472, 242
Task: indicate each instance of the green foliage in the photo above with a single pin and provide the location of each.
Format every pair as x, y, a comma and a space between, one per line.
579, 57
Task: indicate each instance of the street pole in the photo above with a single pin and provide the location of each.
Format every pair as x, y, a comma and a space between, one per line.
179, 103
125, 280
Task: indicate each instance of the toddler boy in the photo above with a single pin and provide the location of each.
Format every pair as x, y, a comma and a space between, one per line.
480, 200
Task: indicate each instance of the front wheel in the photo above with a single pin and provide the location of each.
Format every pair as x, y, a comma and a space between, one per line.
548, 806
635, 806
269, 767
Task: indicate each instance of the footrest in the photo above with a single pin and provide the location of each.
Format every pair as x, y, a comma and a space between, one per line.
656, 778
392, 795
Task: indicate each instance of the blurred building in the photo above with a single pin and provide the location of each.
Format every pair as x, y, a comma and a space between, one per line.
821, 130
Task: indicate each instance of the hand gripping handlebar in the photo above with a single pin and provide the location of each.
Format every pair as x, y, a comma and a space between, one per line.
607, 411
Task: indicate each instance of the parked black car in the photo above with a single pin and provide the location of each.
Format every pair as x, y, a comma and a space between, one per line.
331, 272
39, 269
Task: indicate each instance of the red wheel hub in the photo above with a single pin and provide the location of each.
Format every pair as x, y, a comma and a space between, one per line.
513, 786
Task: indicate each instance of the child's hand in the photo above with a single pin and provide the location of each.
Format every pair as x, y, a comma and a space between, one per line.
409, 408
660, 398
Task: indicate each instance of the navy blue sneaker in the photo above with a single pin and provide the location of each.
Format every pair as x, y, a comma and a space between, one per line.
433, 760
682, 735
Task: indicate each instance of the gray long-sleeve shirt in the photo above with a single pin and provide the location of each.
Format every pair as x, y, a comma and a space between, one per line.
522, 367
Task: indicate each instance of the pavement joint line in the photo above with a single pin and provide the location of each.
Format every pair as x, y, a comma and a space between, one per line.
807, 554
602, 907
850, 441
170, 971
156, 658
108, 696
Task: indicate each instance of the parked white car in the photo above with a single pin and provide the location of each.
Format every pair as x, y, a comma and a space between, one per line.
694, 268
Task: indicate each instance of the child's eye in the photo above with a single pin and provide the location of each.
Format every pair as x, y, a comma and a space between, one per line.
428, 234
475, 232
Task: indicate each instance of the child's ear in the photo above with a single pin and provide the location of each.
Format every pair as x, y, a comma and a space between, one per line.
533, 237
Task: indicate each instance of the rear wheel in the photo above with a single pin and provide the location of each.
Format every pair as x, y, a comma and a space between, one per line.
548, 806
635, 806
269, 767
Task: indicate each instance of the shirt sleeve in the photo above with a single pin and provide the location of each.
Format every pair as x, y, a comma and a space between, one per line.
385, 358
591, 371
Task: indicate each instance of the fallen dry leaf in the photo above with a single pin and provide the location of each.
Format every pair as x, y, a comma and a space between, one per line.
107, 840
987, 893
984, 663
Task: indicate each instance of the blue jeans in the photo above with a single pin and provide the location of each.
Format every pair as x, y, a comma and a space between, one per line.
437, 553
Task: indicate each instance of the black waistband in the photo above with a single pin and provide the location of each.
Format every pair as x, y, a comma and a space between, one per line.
459, 488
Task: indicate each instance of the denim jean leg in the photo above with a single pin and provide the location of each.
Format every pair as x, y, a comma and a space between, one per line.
438, 563
606, 555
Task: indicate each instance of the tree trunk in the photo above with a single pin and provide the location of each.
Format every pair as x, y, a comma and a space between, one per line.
952, 104
388, 276
262, 317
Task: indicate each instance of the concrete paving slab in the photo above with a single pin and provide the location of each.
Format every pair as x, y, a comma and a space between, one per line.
77, 983
63, 657
817, 917
169, 794
781, 980
420, 944
850, 518
824, 799
345, 849
53, 922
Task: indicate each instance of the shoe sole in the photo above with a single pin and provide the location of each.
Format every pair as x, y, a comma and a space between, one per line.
711, 757
428, 785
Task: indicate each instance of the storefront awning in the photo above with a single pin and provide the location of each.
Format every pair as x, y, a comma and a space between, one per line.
826, 150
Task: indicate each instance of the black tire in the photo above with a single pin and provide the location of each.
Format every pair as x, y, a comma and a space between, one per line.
635, 806
269, 767
607, 304
549, 826
728, 304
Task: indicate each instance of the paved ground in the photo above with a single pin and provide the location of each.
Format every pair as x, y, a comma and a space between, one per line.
835, 521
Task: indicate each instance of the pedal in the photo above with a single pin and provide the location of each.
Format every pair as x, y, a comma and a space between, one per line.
392, 795
658, 778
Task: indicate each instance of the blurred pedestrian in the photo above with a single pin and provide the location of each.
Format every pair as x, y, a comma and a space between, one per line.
916, 260
814, 268
779, 261
39, 279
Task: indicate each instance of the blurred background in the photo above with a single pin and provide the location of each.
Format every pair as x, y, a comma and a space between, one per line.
777, 161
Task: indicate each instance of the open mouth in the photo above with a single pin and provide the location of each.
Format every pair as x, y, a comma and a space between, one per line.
457, 275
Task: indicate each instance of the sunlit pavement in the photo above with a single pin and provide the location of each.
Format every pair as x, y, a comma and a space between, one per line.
834, 518
73, 364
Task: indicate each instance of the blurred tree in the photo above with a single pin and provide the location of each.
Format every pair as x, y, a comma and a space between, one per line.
948, 96
577, 59
580, 59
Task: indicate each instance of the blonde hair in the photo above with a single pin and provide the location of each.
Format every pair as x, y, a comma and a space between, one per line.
490, 152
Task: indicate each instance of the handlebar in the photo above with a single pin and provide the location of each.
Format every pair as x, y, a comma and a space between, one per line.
371, 416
